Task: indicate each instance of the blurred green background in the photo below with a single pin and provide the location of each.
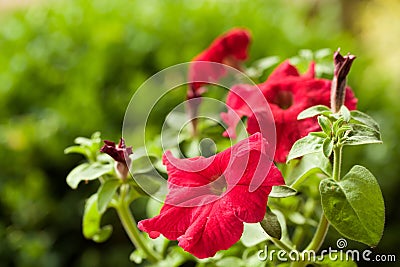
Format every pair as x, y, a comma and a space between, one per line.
69, 68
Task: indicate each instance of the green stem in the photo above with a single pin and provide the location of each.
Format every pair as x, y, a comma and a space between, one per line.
319, 235
323, 226
337, 162
282, 245
129, 224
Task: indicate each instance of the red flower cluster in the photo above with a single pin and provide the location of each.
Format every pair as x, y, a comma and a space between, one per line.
209, 199
205, 208
288, 93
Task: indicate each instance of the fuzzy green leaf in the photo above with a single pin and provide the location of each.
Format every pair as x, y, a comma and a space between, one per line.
327, 147
345, 113
106, 192
282, 191
314, 111
359, 117
306, 145
91, 222
87, 172
325, 124
354, 205
361, 134
271, 225
310, 164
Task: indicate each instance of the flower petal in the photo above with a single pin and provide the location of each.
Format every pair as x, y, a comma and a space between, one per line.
215, 228
283, 71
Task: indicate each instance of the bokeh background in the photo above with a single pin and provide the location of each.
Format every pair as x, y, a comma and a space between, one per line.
69, 68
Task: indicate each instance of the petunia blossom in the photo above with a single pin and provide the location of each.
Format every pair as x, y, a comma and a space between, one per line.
120, 153
209, 199
288, 93
229, 49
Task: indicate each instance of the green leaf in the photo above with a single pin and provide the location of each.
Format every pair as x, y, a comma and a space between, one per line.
359, 117
337, 124
150, 184
143, 164
253, 234
306, 145
319, 134
327, 147
76, 149
87, 172
91, 222
345, 113
282, 191
230, 261
310, 164
137, 256
360, 135
106, 192
325, 124
314, 111
354, 205
271, 225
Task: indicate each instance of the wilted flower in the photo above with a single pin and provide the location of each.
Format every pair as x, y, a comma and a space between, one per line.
120, 153
342, 68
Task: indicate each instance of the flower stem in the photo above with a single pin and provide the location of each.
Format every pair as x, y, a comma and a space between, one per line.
282, 245
319, 235
129, 224
323, 226
337, 162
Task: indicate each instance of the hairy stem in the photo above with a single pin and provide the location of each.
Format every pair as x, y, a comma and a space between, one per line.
337, 162
129, 224
282, 245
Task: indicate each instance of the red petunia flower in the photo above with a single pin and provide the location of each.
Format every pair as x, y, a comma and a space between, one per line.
210, 198
120, 153
288, 93
228, 49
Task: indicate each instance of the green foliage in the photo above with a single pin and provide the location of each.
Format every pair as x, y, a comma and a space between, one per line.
281, 191
304, 146
354, 205
314, 111
271, 225
106, 193
87, 172
91, 222
69, 68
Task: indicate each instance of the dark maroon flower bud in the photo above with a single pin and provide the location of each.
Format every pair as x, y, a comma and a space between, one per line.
120, 153
342, 68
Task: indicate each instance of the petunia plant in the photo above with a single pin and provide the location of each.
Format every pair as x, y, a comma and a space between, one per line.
276, 186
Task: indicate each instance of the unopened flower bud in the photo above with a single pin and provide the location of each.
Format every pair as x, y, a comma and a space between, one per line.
342, 68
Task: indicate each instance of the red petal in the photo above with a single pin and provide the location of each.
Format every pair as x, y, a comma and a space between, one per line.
172, 222
249, 207
215, 227
283, 71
